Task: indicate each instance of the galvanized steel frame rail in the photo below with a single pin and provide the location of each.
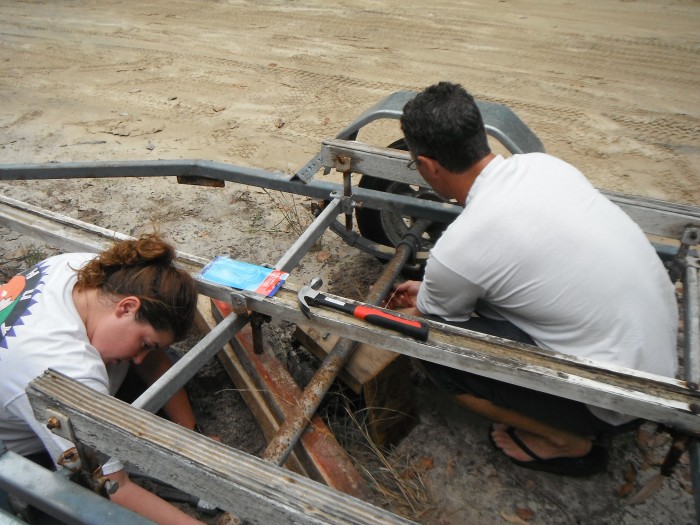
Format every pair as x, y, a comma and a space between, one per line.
56, 495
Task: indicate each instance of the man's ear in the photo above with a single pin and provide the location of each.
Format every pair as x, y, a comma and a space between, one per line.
430, 166
128, 306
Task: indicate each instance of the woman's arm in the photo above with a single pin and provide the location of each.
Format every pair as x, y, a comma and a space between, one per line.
178, 407
136, 498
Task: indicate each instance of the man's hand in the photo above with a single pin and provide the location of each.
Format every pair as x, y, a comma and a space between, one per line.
405, 295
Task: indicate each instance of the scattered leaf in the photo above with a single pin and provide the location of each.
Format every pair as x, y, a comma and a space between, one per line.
510, 518
525, 513
323, 256
408, 474
643, 438
688, 487
426, 463
647, 490
624, 490
228, 519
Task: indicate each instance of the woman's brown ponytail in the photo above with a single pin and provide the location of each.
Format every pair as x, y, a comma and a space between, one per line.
144, 268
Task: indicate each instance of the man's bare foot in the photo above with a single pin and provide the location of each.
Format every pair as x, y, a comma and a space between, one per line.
542, 447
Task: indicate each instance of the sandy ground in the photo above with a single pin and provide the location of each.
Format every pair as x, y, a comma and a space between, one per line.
610, 86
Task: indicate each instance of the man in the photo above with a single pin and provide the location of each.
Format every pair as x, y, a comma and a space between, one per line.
538, 256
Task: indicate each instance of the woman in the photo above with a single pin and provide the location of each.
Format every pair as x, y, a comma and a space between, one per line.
90, 317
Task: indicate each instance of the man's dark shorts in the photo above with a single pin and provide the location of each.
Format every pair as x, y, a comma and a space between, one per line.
557, 412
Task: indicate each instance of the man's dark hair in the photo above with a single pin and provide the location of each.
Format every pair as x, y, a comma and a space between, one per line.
444, 123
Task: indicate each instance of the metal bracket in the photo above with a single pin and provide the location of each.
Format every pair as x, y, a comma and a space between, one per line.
676, 267
347, 205
239, 304
306, 173
256, 323
691, 236
342, 163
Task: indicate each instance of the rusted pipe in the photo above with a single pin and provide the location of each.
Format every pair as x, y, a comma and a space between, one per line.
281, 445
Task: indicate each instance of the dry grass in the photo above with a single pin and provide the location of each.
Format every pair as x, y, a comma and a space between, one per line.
27, 257
397, 482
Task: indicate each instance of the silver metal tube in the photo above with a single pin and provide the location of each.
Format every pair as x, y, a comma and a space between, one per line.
302, 245
691, 348
691, 340
403, 204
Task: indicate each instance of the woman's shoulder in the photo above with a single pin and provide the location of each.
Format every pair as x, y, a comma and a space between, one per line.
65, 263
73, 257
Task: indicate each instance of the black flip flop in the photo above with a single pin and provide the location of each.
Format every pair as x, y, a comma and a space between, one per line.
592, 463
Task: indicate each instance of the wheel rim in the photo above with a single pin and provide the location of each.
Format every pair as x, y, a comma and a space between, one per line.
396, 226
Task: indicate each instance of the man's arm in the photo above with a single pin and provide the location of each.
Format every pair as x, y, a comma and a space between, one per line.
447, 294
443, 293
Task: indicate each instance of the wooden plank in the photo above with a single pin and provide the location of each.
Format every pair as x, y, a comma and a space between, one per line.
390, 405
648, 396
382, 377
66, 233
318, 450
245, 486
364, 364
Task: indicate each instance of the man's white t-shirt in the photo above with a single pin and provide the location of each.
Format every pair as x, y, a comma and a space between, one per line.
539, 246
41, 329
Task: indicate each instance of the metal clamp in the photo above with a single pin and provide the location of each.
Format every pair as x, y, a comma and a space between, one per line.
239, 304
691, 236
676, 267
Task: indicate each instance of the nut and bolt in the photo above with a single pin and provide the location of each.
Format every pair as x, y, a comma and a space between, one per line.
69, 454
53, 422
111, 486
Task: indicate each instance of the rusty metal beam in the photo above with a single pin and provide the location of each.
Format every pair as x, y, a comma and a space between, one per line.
318, 452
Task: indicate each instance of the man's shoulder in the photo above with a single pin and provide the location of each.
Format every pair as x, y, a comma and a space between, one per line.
535, 159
